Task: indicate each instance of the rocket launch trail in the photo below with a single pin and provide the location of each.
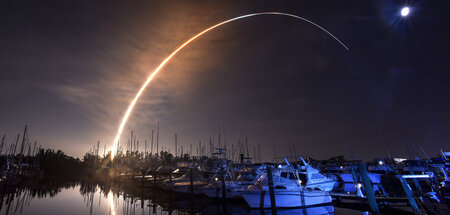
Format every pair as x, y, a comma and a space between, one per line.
167, 59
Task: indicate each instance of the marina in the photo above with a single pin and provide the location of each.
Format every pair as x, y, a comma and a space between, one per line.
165, 184
224, 107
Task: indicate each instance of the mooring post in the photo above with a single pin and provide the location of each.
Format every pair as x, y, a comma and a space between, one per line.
409, 194
416, 182
191, 178
356, 184
223, 184
368, 188
271, 190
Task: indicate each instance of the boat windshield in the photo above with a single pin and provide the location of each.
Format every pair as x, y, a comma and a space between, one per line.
289, 175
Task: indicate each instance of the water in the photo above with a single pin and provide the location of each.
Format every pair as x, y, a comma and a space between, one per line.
79, 198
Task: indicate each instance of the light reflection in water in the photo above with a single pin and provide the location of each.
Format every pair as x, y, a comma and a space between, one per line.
111, 202
77, 199
96, 200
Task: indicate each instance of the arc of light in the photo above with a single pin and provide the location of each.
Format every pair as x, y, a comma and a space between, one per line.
164, 62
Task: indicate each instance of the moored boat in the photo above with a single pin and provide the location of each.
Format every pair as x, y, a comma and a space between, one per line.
288, 193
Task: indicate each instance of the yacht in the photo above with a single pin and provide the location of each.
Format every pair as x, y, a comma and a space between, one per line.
289, 192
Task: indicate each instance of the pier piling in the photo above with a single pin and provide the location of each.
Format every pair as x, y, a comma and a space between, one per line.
409, 194
368, 188
271, 190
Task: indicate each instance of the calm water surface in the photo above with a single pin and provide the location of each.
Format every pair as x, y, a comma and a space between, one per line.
86, 199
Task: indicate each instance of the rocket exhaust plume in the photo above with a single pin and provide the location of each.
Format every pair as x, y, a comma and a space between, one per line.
167, 59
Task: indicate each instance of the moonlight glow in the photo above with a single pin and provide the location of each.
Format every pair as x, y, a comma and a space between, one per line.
163, 63
405, 11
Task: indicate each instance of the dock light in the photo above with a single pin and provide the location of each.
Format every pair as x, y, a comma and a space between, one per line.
405, 11
216, 179
380, 163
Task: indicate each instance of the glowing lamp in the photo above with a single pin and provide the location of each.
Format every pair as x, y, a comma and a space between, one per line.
405, 11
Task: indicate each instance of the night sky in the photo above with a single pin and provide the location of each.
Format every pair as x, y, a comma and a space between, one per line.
68, 69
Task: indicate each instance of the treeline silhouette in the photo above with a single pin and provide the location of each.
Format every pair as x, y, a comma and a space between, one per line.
56, 164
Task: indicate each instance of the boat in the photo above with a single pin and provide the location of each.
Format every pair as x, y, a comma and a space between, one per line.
311, 178
183, 184
288, 192
232, 187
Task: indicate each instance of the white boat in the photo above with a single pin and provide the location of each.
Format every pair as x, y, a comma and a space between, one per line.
311, 178
289, 193
185, 187
214, 190
183, 183
233, 187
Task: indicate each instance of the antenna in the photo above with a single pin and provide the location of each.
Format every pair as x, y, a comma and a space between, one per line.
303, 161
287, 162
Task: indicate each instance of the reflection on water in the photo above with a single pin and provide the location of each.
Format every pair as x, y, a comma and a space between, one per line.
80, 198
111, 202
76, 199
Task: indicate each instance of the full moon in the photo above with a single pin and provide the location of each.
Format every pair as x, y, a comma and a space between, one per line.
405, 11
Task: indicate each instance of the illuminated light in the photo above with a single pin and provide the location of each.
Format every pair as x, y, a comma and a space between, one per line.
279, 166
216, 179
380, 163
415, 176
111, 202
399, 160
164, 62
405, 11
359, 185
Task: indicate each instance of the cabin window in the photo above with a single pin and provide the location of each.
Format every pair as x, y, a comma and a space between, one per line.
303, 178
279, 187
293, 176
284, 175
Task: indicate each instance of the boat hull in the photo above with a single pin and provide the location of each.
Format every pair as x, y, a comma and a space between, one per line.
286, 199
185, 187
216, 192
